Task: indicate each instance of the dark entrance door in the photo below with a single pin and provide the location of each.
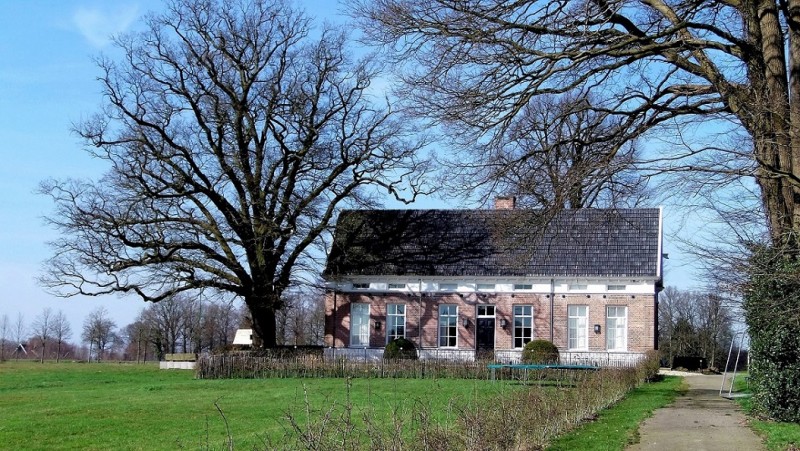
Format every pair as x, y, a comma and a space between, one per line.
485, 334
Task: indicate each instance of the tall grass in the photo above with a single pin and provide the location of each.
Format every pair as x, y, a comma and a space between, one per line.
109, 406
524, 419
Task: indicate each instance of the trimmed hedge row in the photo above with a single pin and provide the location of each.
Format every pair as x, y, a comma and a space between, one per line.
772, 312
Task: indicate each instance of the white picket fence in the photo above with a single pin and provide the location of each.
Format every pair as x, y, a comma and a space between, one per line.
601, 359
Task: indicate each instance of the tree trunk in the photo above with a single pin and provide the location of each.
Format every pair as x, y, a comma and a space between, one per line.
264, 319
771, 133
793, 20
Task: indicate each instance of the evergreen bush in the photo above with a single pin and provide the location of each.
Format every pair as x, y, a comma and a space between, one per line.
400, 348
539, 351
772, 312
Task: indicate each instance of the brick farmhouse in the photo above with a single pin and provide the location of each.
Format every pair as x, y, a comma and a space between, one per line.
464, 284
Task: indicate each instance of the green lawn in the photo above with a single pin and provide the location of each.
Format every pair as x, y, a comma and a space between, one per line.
127, 406
618, 426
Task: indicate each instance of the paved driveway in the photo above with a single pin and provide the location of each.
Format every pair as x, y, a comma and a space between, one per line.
699, 420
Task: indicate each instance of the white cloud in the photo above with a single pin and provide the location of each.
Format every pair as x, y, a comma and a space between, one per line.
98, 25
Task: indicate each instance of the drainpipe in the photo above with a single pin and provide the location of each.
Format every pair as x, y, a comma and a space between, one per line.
334, 328
552, 306
419, 319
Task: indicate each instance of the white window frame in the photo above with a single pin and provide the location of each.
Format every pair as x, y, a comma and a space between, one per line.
578, 287
396, 286
448, 326
616, 287
485, 287
448, 287
360, 286
523, 286
616, 328
359, 325
486, 308
395, 318
522, 320
577, 327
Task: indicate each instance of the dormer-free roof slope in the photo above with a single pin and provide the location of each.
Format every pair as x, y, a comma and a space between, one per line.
518, 243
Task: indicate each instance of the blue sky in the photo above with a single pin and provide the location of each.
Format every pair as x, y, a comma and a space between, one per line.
47, 82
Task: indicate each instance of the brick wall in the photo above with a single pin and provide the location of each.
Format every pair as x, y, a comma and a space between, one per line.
422, 316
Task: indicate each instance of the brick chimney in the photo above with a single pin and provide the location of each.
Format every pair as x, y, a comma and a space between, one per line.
505, 203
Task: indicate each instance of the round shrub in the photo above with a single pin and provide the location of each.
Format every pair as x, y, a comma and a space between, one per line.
400, 348
539, 351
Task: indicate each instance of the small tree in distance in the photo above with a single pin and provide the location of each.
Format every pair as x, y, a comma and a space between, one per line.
42, 329
99, 332
5, 330
62, 331
19, 330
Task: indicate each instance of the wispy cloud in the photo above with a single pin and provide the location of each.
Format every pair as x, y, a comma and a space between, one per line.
98, 25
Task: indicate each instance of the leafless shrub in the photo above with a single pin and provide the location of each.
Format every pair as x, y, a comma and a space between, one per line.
523, 419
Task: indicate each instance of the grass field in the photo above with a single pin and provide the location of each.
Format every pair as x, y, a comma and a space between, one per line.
127, 406
618, 426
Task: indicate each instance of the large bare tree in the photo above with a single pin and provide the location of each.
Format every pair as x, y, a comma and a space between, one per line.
235, 132
557, 153
474, 66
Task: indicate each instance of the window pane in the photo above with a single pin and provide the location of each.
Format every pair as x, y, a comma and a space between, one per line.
448, 325
577, 327
359, 327
523, 325
616, 328
395, 321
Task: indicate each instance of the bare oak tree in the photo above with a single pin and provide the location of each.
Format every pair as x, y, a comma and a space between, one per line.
475, 65
235, 133
556, 153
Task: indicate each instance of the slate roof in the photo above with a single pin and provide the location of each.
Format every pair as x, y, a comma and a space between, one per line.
452, 243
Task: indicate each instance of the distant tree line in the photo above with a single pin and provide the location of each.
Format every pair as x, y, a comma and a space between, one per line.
694, 324
180, 324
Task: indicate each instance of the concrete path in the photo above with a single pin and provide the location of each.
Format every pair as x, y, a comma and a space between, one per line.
700, 420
